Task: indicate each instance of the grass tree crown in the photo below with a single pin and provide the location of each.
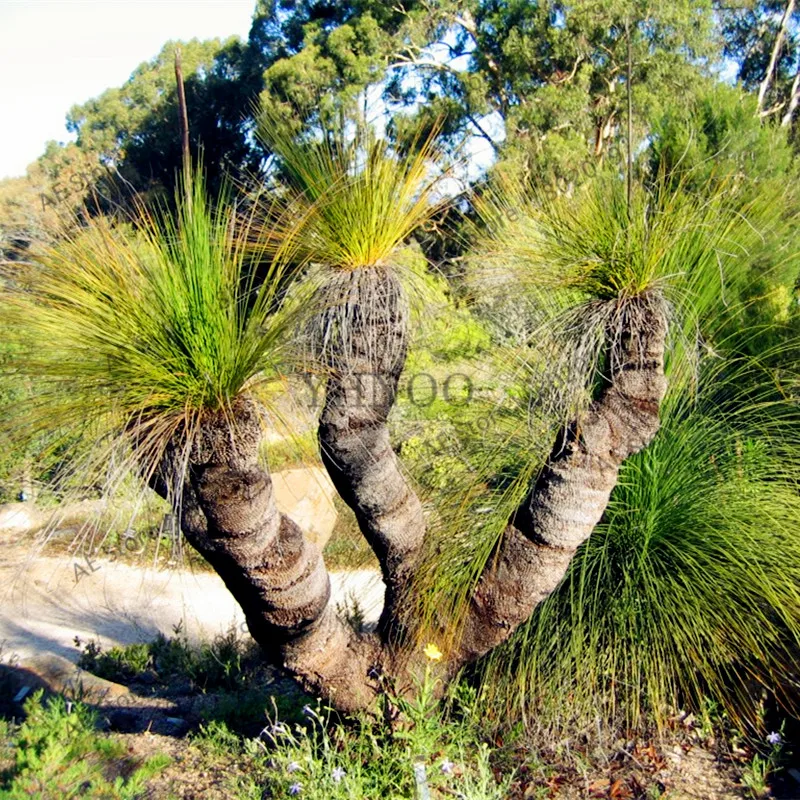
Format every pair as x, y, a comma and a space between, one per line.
357, 199
139, 328
354, 201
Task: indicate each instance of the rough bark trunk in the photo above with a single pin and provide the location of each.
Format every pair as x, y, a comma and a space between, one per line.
570, 494
228, 514
354, 437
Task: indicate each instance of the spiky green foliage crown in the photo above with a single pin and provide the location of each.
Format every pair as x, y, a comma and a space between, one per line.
598, 246
580, 257
355, 199
140, 328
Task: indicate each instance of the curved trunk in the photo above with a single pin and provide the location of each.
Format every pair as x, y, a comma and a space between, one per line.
228, 513
572, 491
365, 362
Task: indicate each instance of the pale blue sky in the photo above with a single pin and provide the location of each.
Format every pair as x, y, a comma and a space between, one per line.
54, 53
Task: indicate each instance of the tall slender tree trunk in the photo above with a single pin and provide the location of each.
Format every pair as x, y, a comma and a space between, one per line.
774, 55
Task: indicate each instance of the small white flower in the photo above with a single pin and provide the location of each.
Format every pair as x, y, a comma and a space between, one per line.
337, 774
447, 766
292, 766
278, 729
774, 738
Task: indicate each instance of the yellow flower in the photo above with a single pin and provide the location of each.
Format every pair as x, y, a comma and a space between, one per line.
433, 652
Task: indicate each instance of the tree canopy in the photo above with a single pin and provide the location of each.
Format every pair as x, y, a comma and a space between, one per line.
537, 86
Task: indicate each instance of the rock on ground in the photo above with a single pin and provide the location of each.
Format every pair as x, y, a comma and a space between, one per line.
306, 495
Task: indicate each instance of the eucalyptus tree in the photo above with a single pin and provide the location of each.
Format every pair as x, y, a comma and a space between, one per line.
130, 129
541, 84
762, 37
156, 338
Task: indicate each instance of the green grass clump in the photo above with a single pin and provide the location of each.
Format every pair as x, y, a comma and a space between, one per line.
688, 591
59, 754
133, 331
356, 200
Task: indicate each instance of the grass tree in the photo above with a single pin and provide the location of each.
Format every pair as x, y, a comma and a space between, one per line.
159, 334
358, 202
650, 612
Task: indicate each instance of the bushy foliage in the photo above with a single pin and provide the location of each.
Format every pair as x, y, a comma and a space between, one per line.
718, 135
59, 753
224, 663
132, 332
689, 587
426, 751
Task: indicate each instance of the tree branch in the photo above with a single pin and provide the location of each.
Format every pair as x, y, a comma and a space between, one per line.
773, 59
768, 112
793, 101
358, 455
483, 133
442, 67
364, 370
570, 494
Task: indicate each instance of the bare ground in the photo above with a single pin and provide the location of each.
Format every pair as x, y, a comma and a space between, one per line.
49, 600
46, 601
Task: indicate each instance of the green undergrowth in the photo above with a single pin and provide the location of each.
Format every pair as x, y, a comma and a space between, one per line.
325, 758
292, 451
688, 588
59, 754
284, 742
260, 740
347, 548
229, 670
226, 662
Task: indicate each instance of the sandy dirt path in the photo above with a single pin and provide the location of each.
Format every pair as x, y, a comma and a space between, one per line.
46, 601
